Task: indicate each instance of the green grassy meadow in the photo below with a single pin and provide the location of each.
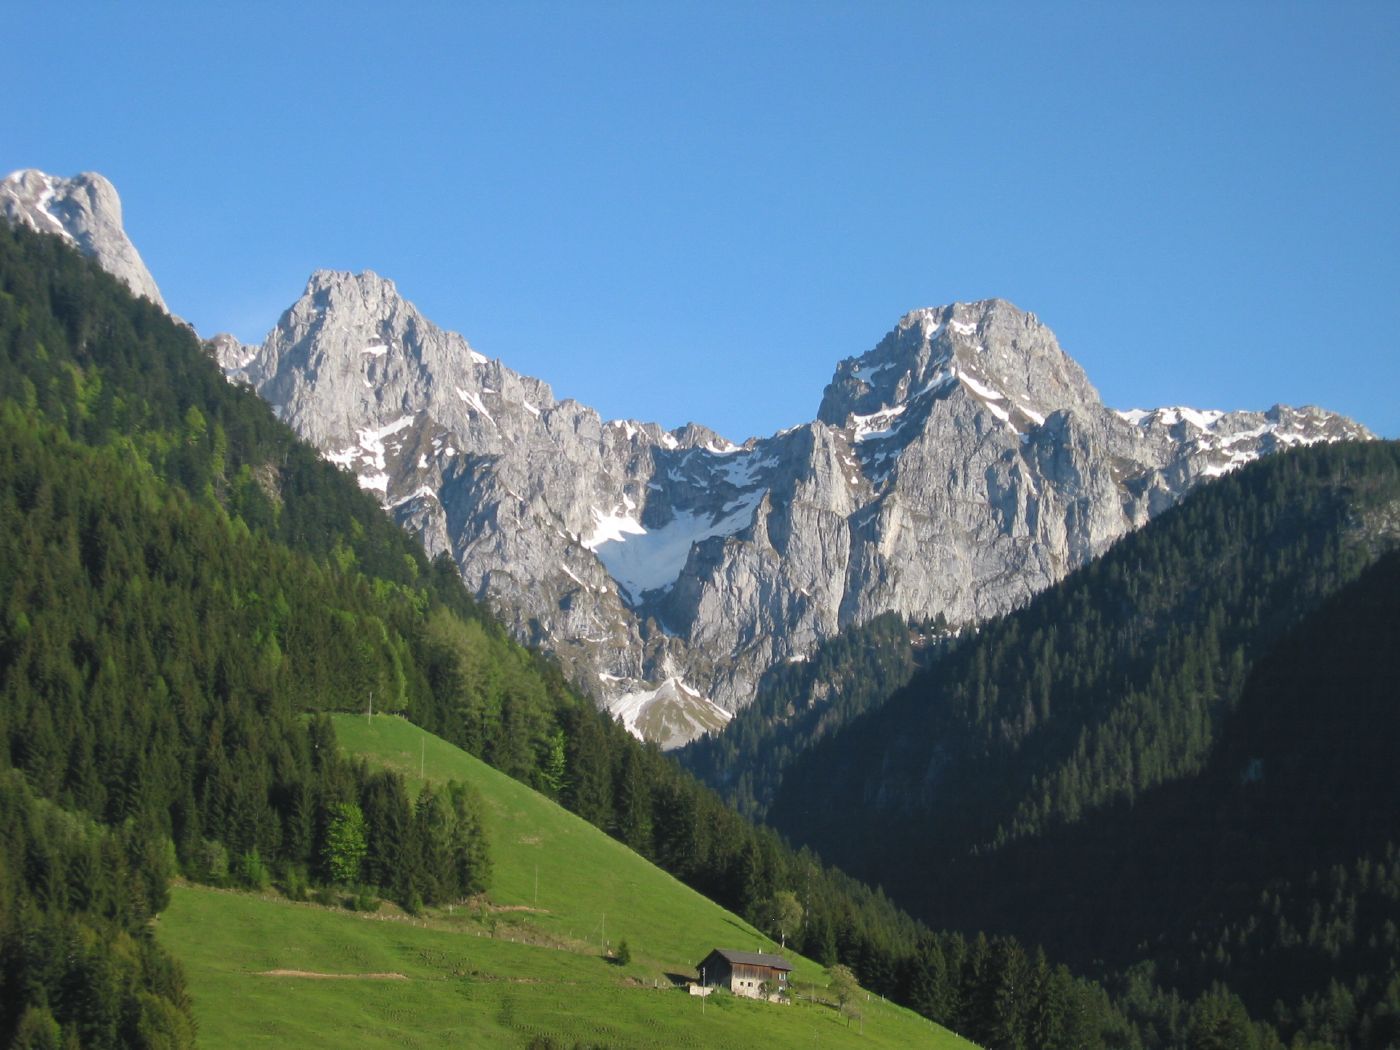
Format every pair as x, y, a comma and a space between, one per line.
591, 888
528, 966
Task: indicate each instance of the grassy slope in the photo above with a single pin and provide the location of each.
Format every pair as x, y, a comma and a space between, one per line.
540, 974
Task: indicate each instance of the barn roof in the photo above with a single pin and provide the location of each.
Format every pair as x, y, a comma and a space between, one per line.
734, 958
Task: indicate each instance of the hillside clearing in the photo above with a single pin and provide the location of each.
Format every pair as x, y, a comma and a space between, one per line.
528, 966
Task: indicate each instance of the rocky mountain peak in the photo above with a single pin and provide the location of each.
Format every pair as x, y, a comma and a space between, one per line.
989, 350
84, 210
372, 358
362, 306
232, 355
330, 289
695, 435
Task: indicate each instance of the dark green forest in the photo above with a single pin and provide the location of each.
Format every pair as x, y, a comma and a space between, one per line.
185, 586
796, 704
1172, 770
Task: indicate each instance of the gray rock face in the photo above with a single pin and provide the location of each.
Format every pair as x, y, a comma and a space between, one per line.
231, 355
84, 210
959, 467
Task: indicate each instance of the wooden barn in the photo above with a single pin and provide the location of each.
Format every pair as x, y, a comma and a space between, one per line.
745, 973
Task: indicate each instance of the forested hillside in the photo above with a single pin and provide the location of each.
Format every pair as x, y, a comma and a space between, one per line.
1275, 872
797, 703
181, 581
1168, 763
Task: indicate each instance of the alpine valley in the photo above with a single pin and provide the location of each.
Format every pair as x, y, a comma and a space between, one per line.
1073, 686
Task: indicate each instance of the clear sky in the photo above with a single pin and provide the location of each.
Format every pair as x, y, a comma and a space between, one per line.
679, 211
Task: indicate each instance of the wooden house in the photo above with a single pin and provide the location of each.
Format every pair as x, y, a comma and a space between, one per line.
753, 974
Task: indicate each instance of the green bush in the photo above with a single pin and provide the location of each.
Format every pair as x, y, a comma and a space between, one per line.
293, 882
252, 872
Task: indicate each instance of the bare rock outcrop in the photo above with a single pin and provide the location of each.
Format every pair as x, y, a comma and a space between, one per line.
84, 210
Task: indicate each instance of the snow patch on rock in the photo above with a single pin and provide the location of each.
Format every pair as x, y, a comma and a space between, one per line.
671, 714
642, 560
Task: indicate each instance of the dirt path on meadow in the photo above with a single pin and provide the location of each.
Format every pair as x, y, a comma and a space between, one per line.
335, 976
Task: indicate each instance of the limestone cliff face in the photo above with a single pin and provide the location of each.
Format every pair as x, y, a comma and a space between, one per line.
958, 467
84, 210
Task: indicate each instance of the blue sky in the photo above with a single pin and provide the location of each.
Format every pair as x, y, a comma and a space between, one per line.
693, 211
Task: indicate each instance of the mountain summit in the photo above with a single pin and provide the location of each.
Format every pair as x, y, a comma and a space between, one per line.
84, 210
994, 351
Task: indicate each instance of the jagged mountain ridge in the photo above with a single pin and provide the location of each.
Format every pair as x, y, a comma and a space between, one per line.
962, 465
